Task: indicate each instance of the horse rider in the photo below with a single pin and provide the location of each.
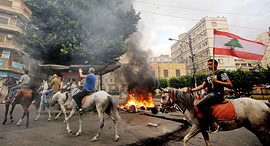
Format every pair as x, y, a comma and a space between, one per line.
88, 87
23, 83
214, 95
54, 86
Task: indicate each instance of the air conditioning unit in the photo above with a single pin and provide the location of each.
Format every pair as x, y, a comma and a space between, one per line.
9, 36
15, 16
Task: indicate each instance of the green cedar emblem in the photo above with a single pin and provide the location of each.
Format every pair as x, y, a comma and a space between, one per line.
233, 43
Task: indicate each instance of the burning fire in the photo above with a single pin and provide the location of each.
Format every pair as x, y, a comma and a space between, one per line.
141, 102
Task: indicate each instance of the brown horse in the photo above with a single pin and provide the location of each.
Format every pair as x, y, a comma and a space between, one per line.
23, 97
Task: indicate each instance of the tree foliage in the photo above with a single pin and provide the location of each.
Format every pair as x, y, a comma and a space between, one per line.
164, 83
78, 31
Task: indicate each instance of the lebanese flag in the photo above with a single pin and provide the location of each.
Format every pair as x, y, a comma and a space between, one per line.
229, 44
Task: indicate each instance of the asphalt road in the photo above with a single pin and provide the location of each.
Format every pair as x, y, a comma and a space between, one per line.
134, 131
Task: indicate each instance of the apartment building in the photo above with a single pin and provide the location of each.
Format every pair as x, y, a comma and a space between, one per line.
199, 39
14, 18
265, 39
161, 59
168, 70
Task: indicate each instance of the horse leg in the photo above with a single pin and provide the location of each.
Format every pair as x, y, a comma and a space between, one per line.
206, 138
49, 113
6, 112
40, 107
115, 125
25, 109
63, 109
195, 129
27, 121
67, 119
11, 111
80, 126
101, 120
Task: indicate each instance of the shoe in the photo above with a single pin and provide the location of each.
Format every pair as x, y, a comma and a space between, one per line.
81, 111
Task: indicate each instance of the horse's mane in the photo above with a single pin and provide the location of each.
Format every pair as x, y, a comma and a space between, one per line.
187, 98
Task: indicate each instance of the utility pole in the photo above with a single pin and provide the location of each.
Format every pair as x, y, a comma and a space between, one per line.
192, 59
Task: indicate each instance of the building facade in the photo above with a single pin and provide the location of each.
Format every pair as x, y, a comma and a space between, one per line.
265, 39
14, 18
161, 59
168, 70
200, 39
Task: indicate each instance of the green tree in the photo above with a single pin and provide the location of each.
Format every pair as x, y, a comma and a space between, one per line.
164, 83
233, 43
78, 31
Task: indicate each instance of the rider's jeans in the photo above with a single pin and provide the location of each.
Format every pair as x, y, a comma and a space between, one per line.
45, 95
12, 90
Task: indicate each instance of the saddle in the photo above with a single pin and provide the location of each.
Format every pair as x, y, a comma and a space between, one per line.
222, 111
85, 97
50, 95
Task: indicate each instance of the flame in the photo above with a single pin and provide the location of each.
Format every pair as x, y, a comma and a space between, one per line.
4, 101
184, 118
142, 103
33, 101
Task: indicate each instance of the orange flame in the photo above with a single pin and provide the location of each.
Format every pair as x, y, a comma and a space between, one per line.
4, 101
33, 101
142, 102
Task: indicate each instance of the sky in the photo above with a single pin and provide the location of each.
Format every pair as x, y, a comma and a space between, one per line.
163, 19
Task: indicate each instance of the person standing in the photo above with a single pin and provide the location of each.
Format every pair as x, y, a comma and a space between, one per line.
215, 95
54, 86
88, 87
23, 83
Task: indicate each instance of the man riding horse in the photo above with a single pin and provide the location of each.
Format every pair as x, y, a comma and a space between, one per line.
54, 87
214, 95
88, 87
23, 83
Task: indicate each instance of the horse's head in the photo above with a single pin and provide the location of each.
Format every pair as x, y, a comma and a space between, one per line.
9, 81
67, 86
166, 99
43, 86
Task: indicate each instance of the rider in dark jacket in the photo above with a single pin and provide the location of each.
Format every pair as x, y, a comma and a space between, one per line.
215, 95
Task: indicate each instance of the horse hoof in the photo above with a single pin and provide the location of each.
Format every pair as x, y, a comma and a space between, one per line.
78, 134
49, 120
18, 124
116, 138
69, 131
3, 123
64, 121
36, 119
55, 119
11, 121
94, 139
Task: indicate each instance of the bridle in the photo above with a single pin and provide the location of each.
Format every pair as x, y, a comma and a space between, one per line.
6, 83
174, 104
70, 83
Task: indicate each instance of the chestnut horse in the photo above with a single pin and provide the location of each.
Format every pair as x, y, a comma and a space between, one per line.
9, 83
23, 97
251, 114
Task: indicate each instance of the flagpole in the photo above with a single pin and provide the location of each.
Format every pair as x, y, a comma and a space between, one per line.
213, 63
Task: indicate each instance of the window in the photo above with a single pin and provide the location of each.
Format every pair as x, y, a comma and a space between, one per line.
165, 73
2, 38
177, 73
110, 80
4, 20
214, 24
220, 60
22, 26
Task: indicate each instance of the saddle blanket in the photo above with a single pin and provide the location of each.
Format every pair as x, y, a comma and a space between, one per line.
219, 111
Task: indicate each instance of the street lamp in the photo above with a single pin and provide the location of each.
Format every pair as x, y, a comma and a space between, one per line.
192, 56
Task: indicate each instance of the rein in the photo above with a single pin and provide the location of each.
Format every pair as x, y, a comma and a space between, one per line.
170, 97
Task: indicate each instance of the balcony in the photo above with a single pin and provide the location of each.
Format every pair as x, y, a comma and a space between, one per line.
11, 28
16, 7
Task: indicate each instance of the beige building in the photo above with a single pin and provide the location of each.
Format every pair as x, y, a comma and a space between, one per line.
200, 38
265, 39
168, 70
161, 59
14, 18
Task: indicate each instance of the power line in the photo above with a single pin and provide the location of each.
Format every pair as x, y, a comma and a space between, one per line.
193, 19
198, 9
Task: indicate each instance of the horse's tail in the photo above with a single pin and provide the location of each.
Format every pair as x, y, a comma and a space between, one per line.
114, 110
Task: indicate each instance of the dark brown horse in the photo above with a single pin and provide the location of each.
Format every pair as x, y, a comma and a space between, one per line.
23, 97
9, 82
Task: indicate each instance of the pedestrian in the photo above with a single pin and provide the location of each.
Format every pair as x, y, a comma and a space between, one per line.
88, 87
214, 95
54, 86
23, 83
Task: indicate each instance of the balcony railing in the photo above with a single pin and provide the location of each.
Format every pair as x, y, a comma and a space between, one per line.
6, 3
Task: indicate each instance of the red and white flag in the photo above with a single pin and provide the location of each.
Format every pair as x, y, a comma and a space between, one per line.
229, 44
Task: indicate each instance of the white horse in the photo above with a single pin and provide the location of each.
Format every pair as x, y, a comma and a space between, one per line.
252, 114
100, 101
59, 97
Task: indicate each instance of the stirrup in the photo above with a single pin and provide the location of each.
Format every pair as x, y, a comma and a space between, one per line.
216, 129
